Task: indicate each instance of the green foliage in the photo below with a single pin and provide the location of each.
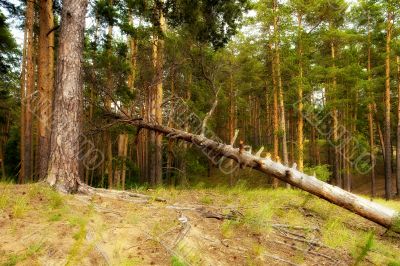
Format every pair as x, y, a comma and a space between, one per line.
322, 172
176, 261
20, 207
15, 259
396, 223
207, 21
365, 249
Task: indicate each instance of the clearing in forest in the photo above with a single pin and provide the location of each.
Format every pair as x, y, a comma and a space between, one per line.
221, 226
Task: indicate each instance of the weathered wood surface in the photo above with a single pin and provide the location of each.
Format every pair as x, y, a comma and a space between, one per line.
370, 210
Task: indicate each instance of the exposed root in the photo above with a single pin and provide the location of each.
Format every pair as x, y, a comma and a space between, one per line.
304, 250
117, 194
90, 238
275, 257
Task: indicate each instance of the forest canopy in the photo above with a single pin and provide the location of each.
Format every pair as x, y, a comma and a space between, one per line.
314, 82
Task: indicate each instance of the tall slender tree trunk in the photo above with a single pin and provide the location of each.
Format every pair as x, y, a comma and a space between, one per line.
388, 143
21, 176
123, 139
157, 98
45, 81
275, 121
63, 170
183, 162
170, 156
109, 85
275, 82
29, 89
398, 129
300, 123
371, 115
280, 88
232, 122
336, 162
158, 101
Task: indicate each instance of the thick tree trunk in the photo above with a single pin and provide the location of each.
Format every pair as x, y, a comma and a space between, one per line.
45, 82
63, 172
388, 142
361, 206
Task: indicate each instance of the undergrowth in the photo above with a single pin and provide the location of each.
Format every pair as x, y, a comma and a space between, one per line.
260, 208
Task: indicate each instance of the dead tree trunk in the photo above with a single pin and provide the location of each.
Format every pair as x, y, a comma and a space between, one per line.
363, 207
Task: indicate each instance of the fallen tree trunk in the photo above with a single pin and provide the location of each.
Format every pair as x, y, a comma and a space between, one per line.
372, 211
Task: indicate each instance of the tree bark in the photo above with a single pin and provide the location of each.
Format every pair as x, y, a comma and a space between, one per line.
29, 84
398, 129
171, 180
388, 143
45, 82
371, 116
336, 162
300, 123
231, 122
21, 175
63, 172
109, 88
157, 97
123, 139
275, 121
280, 87
361, 206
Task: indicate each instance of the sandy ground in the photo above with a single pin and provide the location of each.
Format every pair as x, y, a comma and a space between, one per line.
82, 230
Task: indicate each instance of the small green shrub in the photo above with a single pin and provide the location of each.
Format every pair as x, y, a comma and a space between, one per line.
206, 200
365, 249
321, 171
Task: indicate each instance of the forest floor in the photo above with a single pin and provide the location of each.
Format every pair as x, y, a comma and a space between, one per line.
221, 226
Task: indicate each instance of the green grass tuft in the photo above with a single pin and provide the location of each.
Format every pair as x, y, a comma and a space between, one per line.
206, 200
396, 223
15, 259
20, 207
176, 261
365, 249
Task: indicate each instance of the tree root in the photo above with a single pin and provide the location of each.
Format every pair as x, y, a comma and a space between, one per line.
116, 194
304, 250
275, 257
